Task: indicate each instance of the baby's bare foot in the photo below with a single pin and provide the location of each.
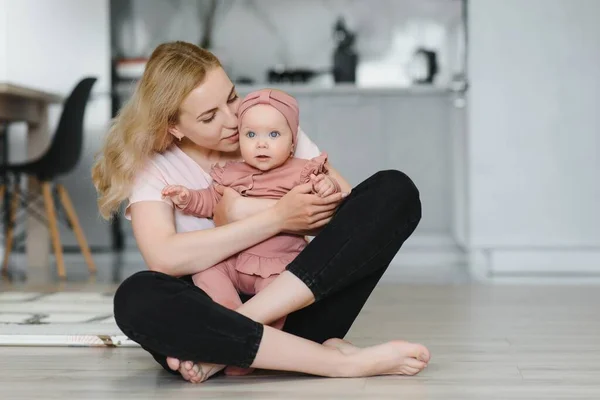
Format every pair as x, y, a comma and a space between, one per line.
393, 358
191, 372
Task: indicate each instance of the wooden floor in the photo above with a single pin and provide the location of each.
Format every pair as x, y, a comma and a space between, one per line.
487, 342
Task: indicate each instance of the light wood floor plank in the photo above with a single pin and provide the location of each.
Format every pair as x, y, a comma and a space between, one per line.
487, 342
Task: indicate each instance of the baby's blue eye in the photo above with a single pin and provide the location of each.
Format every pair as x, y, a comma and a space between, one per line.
274, 134
250, 134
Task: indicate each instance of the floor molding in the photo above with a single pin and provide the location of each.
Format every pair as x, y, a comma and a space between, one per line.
525, 265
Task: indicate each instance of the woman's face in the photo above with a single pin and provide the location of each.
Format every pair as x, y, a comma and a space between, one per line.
208, 115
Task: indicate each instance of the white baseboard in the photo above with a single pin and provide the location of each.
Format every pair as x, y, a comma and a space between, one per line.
549, 265
429, 250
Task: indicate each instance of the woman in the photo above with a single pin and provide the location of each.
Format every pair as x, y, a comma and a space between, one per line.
181, 120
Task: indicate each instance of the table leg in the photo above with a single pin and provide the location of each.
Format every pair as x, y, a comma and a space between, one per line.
38, 237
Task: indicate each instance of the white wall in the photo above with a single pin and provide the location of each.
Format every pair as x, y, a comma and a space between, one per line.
51, 45
3, 34
534, 134
368, 131
254, 35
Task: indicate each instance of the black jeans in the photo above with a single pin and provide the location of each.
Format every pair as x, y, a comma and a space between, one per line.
170, 316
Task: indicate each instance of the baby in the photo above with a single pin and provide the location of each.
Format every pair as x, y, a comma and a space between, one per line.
268, 128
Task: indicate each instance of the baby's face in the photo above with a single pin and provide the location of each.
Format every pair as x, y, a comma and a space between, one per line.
265, 137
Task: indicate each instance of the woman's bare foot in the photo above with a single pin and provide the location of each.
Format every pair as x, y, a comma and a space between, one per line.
342, 345
232, 370
191, 372
393, 358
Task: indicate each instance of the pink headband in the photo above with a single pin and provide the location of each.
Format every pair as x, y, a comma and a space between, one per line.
282, 102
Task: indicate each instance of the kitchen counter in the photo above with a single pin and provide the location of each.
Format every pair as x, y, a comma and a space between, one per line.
124, 89
343, 89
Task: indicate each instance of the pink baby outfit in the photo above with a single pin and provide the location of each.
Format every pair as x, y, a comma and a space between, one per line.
252, 269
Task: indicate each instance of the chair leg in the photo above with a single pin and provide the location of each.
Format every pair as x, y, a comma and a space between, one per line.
2, 191
53, 226
74, 220
10, 229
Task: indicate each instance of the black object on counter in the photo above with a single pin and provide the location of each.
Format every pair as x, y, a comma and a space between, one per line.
345, 58
426, 66
297, 75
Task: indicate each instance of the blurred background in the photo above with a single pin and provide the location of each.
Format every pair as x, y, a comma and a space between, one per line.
489, 105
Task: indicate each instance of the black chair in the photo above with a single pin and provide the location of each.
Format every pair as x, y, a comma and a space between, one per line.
61, 158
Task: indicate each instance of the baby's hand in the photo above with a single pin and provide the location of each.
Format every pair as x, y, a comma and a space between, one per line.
323, 185
180, 195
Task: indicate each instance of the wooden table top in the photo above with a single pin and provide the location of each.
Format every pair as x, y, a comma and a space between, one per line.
27, 93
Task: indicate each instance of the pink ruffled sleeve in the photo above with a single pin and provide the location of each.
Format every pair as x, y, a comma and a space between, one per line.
217, 172
316, 166
203, 202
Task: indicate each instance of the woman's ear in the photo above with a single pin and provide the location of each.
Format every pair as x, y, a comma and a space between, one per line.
173, 130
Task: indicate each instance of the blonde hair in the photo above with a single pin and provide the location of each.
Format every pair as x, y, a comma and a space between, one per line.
141, 127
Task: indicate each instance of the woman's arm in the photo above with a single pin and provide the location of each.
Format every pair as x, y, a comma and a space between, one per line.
182, 253
178, 254
239, 208
233, 207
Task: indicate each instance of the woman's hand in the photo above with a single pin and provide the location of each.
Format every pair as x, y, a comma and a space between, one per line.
301, 211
